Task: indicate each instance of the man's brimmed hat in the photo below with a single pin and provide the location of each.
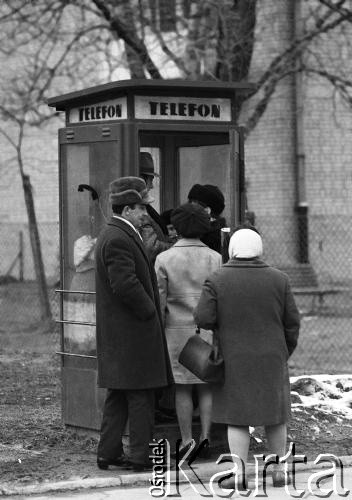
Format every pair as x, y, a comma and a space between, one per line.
128, 191
146, 164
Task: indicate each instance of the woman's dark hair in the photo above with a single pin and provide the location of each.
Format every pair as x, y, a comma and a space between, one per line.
166, 216
190, 220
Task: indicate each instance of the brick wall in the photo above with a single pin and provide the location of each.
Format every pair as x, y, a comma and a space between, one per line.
270, 146
270, 165
270, 157
329, 182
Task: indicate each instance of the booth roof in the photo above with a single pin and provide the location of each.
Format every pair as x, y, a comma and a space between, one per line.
157, 87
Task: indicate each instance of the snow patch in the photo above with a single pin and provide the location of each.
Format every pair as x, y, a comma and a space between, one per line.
331, 394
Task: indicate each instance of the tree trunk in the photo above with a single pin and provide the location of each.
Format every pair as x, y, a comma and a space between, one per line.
45, 311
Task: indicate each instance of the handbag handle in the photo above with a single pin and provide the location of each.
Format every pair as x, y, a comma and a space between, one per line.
215, 339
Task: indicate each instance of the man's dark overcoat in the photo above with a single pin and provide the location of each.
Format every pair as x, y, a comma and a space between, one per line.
252, 310
131, 346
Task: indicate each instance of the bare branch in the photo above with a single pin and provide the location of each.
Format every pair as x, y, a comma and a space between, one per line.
342, 85
288, 57
178, 61
338, 8
268, 90
124, 32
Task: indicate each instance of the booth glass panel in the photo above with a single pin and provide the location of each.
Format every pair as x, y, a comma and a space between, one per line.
195, 157
81, 222
205, 165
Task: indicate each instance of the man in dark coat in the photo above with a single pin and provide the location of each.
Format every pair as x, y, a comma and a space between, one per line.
154, 230
156, 239
132, 351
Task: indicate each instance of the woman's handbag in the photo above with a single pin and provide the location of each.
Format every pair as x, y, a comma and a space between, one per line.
203, 359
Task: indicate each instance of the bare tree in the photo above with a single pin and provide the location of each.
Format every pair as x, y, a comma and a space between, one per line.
30, 74
212, 39
42, 49
17, 143
50, 47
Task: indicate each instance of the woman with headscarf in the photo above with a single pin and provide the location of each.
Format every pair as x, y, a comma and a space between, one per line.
252, 310
181, 271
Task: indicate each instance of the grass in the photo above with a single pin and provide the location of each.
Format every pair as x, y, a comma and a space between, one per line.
36, 444
324, 346
325, 343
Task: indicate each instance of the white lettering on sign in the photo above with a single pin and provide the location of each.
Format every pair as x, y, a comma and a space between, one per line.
182, 108
115, 109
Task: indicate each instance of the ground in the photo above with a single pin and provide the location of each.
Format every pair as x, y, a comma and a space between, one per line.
39, 448
36, 447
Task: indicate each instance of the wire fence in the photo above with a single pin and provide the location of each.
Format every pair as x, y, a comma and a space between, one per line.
16, 261
322, 288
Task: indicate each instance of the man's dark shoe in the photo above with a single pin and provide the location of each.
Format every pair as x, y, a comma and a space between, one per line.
103, 463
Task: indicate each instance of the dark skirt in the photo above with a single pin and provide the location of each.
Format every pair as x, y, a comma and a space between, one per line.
256, 391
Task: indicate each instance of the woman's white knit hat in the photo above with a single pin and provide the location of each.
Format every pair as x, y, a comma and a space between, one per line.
245, 244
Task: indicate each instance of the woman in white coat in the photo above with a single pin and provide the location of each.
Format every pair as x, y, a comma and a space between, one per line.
181, 271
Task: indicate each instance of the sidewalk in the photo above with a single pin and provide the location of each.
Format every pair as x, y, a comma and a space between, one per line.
192, 483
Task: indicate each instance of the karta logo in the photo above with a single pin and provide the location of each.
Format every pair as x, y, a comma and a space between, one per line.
184, 471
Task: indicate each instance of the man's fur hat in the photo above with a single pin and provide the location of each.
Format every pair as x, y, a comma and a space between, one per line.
128, 191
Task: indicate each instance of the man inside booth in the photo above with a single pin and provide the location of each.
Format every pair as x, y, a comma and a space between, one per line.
156, 238
154, 230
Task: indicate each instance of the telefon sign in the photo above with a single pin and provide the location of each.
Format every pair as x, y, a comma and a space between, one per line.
115, 109
183, 108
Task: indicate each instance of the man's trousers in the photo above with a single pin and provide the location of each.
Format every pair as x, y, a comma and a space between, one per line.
136, 406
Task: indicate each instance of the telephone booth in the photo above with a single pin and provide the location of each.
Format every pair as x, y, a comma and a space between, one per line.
190, 130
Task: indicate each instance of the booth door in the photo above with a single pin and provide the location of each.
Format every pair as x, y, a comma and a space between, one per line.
184, 159
89, 156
